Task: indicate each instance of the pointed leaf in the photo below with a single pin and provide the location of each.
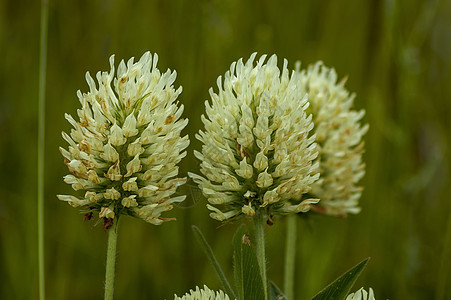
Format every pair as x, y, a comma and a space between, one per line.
211, 257
339, 289
247, 273
276, 293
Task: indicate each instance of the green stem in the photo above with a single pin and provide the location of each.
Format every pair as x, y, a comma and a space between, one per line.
41, 144
260, 222
111, 259
290, 257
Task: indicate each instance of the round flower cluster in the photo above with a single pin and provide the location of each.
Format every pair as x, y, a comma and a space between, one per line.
203, 294
339, 138
124, 151
258, 149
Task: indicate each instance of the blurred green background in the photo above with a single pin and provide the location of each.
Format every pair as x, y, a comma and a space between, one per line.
397, 55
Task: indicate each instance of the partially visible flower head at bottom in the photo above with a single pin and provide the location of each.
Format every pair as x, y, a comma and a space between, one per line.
124, 150
257, 149
203, 294
361, 294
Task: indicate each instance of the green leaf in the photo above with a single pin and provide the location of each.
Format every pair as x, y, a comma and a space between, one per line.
339, 289
211, 257
247, 273
276, 293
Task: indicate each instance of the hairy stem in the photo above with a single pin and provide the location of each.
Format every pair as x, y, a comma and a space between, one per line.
111, 259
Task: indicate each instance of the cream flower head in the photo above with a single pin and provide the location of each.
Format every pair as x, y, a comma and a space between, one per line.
339, 137
124, 151
203, 294
361, 294
257, 148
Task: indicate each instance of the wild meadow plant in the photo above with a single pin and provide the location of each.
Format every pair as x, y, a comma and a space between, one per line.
276, 143
124, 150
257, 155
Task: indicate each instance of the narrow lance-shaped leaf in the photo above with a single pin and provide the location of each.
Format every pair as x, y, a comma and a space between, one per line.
247, 273
340, 288
211, 257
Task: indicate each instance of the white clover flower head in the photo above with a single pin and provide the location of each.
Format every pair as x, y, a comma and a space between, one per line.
339, 137
124, 151
257, 148
203, 294
361, 294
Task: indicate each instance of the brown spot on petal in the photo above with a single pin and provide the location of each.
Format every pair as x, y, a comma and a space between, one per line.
78, 174
114, 172
84, 146
241, 151
169, 119
163, 200
93, 177
83, 123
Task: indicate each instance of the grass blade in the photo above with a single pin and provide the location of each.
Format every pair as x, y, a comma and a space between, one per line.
211, 257
41, 143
